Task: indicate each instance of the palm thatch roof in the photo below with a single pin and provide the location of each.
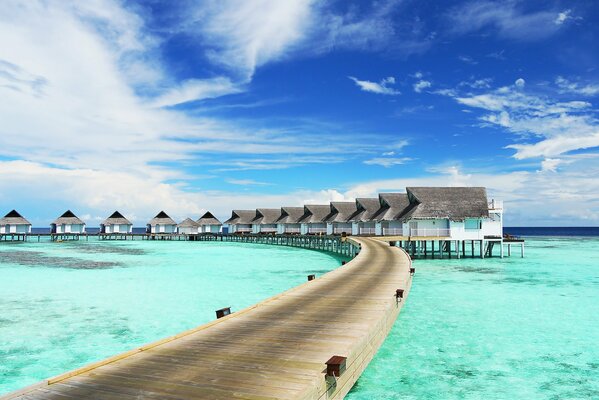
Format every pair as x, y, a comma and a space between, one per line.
391, 206
208, 219
454, 203
188, 223
291, 215
68, 218
241, 217
14, 218
342, 211
267, 216
367, 208
116, 219
162, 218
315, 213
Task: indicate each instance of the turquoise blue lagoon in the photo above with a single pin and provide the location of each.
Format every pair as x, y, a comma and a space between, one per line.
471, 329
496, 329
64, 305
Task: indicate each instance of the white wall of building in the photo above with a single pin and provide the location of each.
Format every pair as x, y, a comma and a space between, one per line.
70, 228
209, 229
160, 228
11, 228
118, 228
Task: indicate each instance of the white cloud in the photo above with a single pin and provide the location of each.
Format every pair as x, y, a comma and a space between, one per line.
509, 20
567, 86
99, 193
520, 82
473, 83
380, 88
558, 127
421, 85
247, 182
196, 89
387, 162
246, 35
550, 164
468, 60
563, 17
531, 198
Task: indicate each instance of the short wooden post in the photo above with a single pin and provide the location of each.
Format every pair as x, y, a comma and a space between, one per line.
336, 366
223, 312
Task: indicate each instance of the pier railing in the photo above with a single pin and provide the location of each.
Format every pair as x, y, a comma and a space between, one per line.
393, 231
435, 232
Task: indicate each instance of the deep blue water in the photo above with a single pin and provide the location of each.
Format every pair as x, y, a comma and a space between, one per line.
552, 231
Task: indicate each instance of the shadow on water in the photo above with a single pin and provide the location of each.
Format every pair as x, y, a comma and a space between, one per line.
101, 248
38, 259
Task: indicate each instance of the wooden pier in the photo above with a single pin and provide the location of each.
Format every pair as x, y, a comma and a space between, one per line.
276, 349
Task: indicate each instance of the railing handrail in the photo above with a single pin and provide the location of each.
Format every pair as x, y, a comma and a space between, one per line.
435, 232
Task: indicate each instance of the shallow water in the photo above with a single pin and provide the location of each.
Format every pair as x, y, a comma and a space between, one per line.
496, 329
63, 305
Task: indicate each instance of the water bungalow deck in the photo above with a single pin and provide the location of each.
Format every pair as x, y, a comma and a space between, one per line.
276, 349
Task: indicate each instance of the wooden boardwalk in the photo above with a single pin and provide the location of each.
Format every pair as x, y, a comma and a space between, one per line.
276, 349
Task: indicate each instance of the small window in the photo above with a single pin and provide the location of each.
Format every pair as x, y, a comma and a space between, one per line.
472, 224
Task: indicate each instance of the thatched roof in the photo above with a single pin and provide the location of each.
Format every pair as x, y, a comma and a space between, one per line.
367, 208
392, 205
454, 203
314, 213
14, 218
68, 218
241, 217
291, 215
116, 219
342, 211
266, 216
188, 223
162, 218
208, 219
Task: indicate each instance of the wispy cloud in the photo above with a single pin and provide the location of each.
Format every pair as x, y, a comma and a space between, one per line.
381, 87
551, 127
568, 86
246, 35
196, 89
509, 20
387, 162
247, 182
467, 60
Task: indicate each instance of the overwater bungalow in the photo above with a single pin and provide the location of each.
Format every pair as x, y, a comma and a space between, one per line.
116, 223
363, 222
313, 221
289, 221
265, 220
13, 222
67, 223
188, 227
339, 219
208, 223
392, 205
459, 213
161, 223
241, 221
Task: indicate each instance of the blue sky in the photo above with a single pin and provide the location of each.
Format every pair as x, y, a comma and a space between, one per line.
214, 105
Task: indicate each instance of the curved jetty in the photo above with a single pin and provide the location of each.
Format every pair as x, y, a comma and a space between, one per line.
276, 349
